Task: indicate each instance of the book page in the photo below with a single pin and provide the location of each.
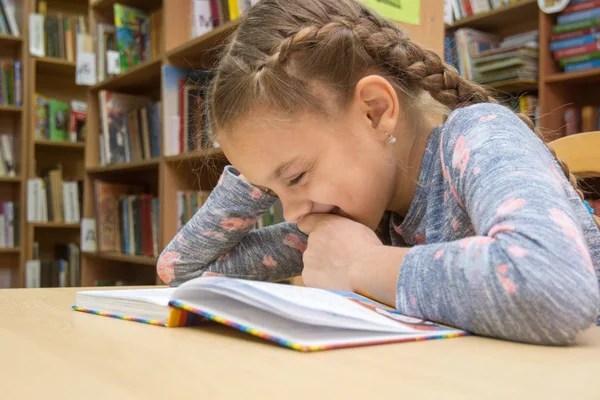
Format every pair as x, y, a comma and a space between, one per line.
302, 303
159, 296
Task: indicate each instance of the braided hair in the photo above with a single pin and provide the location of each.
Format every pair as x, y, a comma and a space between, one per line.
283, 47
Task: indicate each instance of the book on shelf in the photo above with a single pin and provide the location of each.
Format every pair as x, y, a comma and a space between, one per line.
126, 219
7, 159
130, 128
54, 34
58, 120
188, 203
300, 318
488, 59
459, 9
581, 119
50, 198
527, 104
11, 83
9, 224
8, 18
64, 270
184, 109
6, 277
575, 39
209, 14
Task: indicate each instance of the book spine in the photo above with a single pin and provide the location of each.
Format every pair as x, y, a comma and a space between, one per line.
588, 23
574, 42
125, 224
572, 34
578, 16
572, 121
582, 58
577, 7
583, 66
576, 51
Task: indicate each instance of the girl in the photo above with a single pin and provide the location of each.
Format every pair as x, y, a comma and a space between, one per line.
469, 223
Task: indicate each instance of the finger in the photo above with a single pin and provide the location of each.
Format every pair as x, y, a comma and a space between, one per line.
309, 222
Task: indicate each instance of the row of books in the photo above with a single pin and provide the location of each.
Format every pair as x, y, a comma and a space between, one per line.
188, 202
127, 219
8, 20
575, 40
135, 37
52, 199
64, 270
131, 127
9, 224
581, 119
488, 59
208, 14
184, 93
459, 9
58, 120
11, 83
55, 34
7, 160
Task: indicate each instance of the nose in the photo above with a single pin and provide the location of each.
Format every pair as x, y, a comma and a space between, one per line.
294, 208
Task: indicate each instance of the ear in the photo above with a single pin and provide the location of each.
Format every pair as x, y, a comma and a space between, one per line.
378, 100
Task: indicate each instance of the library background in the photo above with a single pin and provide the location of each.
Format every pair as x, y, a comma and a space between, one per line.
104, 154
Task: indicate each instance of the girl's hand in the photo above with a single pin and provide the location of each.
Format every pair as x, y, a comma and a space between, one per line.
345, 255
336, 249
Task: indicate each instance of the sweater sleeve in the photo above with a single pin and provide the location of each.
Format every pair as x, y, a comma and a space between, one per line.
218, 239
527, 274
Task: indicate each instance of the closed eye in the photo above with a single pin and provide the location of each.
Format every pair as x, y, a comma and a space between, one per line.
296, 180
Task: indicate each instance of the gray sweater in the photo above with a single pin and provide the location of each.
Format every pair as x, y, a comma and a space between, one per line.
501, 244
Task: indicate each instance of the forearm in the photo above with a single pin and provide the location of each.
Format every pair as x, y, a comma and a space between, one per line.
376, 276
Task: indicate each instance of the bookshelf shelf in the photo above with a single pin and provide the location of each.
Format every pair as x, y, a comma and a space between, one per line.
12, 109
59, 144
135, 79
195, 50
9, 250
515, 86
55, 225
103, 5
133, 166
55, 66
499, 18
10, 40
197, 155
582, 77
10, 179
133, 259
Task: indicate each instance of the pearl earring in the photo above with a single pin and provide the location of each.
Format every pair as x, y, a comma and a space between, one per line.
391, 139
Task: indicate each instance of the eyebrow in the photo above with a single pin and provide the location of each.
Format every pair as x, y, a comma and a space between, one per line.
280, 170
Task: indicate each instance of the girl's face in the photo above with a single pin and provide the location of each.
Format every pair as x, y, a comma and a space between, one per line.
317, 164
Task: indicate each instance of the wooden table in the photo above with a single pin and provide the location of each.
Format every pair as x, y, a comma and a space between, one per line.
49, 351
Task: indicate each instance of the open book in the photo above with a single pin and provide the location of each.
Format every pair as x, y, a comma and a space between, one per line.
301, 318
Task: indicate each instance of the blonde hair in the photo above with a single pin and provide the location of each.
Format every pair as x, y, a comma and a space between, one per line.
282, 48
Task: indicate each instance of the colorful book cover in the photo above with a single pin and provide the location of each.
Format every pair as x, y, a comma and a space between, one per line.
132, 26
574, 26
59, 117
171, 77
578, 16
42, 126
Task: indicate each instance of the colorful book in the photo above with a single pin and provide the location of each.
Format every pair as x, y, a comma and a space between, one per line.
578, 16
42, 125
573, 26
574, 42
132, 26
58, 120
581, 58
301, 318
582, 66
576, 51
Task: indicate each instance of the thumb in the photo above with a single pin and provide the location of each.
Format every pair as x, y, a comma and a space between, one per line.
309, 222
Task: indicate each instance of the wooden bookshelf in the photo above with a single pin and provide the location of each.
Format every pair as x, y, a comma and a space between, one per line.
11, 179
126, 258
10, 40
54, 78
125, 167
509, 17
11, 109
